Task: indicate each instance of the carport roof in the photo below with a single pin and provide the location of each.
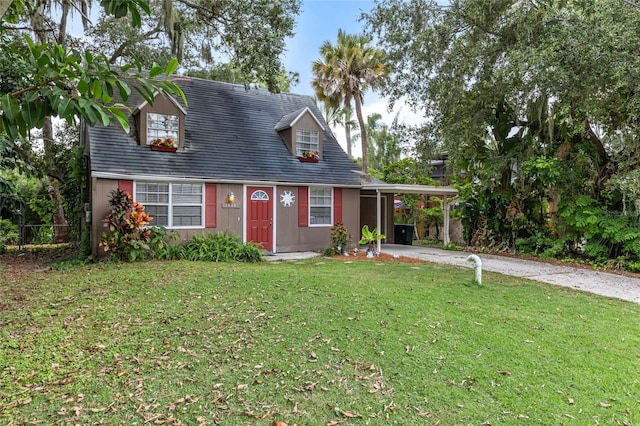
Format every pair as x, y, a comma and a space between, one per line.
448, 191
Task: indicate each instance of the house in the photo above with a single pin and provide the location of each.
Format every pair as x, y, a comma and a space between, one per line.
259, 165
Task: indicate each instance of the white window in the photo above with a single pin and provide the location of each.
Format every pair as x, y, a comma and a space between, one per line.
306, 141
259, 195
174, 205
320, 203
162, 126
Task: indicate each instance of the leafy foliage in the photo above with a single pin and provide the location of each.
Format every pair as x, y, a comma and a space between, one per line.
370, 237
219, 247
8, 234
340, 238
128, 237
537, 101
346, 70
67, 83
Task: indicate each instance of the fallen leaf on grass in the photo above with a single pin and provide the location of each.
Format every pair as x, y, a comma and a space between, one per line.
571, 401
335, 422
422, 413
276, 423
605, 405
504, 373
351, 415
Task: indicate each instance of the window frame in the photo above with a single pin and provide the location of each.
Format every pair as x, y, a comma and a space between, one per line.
298, 142
171, 204
173, 133
330, 205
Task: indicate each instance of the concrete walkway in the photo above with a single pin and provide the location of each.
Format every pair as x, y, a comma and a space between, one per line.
602, 283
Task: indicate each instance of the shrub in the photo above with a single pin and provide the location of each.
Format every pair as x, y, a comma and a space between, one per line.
8, 234
160, 243
128, 237
340, 238
221, 247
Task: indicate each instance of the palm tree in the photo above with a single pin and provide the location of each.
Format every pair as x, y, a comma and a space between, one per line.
337, 116
344, 73
384, 145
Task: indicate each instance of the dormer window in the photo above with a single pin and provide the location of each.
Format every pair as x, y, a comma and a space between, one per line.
162, 126
306, 141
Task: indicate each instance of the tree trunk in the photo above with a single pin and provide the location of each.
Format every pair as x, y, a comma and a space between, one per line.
347, 134
61, 229
60, 225
363, 134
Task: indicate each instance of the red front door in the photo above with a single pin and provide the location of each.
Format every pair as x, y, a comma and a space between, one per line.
260, 216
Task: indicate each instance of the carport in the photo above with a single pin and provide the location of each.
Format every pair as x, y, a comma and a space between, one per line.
448, 193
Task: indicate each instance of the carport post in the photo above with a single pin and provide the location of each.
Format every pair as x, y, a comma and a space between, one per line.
378, 219
446, 222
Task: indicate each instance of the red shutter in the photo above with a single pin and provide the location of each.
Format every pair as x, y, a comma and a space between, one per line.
211, 205
303, 206
337, 205
126, 186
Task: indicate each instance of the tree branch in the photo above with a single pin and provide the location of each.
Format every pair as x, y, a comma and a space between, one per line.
117, 53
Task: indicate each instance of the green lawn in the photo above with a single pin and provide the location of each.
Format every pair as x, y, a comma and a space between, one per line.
318, 342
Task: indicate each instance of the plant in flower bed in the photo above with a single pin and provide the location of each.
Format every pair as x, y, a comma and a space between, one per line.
128, 237
371, 237
315, 342
163, 142
340, 238
221, 247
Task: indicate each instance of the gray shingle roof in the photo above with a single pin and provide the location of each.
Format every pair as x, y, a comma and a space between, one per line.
230, 135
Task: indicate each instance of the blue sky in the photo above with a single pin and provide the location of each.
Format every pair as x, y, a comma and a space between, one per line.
320, 20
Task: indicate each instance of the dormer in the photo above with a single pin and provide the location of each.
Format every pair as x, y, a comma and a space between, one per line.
301, 132
162, 122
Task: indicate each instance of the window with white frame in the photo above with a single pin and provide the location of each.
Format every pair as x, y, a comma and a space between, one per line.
162, 126
174, 205
320, 203
306, 141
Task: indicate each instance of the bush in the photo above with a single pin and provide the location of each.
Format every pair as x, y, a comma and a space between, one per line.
160, 243
340, 238
221, 247
129, 237
8, 234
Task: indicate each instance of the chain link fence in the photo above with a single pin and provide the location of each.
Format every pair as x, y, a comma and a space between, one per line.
43, 234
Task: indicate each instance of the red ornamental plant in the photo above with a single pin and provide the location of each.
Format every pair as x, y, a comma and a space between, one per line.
128, 238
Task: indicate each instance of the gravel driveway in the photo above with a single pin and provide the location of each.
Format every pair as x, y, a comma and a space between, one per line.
602, 283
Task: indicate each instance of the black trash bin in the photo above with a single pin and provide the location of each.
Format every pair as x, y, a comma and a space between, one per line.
403, 234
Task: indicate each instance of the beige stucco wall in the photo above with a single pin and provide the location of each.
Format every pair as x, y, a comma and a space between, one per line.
100, 192
291, 237
230, 217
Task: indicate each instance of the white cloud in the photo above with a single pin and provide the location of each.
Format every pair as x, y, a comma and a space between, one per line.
374, 104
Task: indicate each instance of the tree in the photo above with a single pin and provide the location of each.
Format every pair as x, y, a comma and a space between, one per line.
384, 144
54, 77
519, 92
250, 34
346, 70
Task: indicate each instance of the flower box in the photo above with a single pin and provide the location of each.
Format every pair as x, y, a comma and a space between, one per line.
308, 160
163, 148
